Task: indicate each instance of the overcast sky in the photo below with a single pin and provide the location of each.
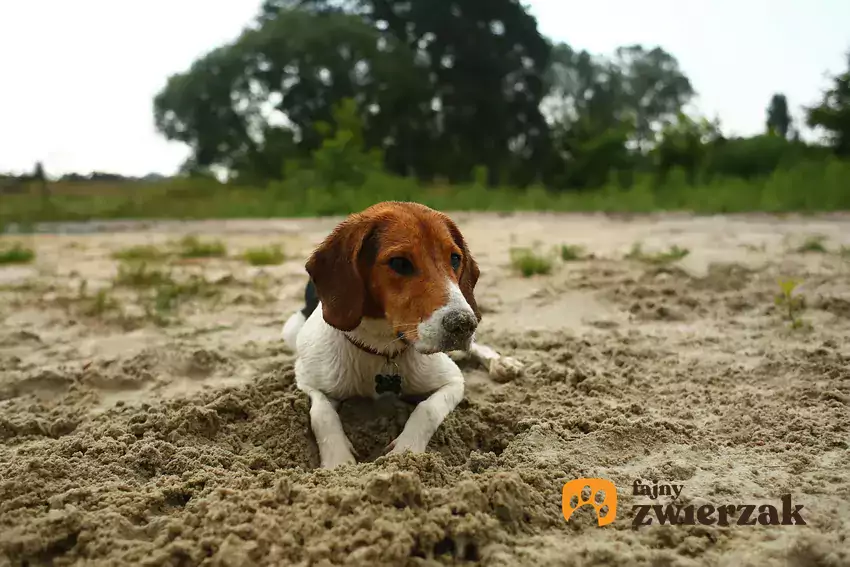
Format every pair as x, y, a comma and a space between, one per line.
78, 76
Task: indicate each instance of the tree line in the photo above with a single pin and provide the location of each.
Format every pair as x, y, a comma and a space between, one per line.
456, 92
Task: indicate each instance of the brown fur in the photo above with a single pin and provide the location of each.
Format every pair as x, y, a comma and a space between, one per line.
353, 279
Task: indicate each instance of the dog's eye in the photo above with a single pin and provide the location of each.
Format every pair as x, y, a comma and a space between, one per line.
455, 261
402, 266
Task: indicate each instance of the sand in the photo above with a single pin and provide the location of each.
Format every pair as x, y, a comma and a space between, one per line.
130, 438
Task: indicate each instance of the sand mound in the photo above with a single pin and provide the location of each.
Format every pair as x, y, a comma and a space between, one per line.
135, 436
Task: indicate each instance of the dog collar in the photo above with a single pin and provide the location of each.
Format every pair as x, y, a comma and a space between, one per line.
383, 382
370, 350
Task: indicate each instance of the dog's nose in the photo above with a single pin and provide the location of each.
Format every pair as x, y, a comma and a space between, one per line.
459, 323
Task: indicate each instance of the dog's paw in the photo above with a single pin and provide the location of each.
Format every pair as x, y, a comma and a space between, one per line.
505, 369
398, 446
337, 459
340, 454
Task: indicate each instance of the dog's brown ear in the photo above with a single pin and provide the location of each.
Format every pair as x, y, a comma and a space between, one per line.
469, 269
336, 269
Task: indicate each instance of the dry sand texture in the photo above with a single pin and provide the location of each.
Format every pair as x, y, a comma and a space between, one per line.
131, 433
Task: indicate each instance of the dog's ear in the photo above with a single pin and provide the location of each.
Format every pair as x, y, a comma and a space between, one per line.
337, 268
469, 269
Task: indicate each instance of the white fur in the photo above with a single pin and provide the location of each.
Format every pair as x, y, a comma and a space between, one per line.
431, 330
330, 369
291, 328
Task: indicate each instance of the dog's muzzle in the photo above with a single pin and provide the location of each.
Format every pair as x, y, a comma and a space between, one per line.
458, 327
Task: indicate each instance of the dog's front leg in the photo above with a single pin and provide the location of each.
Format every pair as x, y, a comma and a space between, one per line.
427, 417
501, 368
334, 447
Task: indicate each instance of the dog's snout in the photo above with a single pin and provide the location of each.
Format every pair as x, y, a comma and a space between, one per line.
459, 323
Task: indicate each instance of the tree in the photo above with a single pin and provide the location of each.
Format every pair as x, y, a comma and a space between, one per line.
599, 107
484, 61
250, 105
590, 123
655, 89
778, 117
686, 144
833, 113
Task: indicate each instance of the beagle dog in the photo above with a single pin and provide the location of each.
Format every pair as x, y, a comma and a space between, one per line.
390, 294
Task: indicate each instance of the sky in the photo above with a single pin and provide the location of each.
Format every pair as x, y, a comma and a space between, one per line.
79, 76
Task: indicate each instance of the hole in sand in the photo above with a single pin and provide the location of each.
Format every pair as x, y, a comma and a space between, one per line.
371, 425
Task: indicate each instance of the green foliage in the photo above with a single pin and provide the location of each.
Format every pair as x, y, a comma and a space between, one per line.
138, 253
169, 294
570, 252
342, 158
684, 144
793, 303
813, 244
833, 113
318, 100
778, 117
191, 246
264, 256
101, 303
529, 262
809, 186
15, 253
304, 58
673, 254
138, 274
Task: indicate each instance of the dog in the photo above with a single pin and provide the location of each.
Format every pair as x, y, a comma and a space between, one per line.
390, 294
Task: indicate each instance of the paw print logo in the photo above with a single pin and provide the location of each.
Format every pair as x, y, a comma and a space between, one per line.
598, 492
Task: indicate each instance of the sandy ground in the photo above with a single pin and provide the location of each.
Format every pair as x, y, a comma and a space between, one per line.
130, 435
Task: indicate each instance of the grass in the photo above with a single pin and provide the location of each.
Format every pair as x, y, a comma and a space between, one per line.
146, 253
792, 303
529, 262
139, 275
16, 254
159, 293
264, 256
570, 253
844, 251
672, 254
805, 187
813, 244
100, 304
171, 293
193, 247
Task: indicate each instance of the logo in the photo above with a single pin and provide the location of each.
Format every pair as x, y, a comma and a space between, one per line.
677, 513
603, 498
602, 495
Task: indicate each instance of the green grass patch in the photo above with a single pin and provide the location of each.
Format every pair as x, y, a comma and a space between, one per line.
144, 252
171, 293
673, 254
571, 253
16, 253
792, 304
530, 262
813, 244
264, 256
193, 247
815, 186
140, 275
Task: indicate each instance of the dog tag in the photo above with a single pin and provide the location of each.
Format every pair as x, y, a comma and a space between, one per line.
388, 383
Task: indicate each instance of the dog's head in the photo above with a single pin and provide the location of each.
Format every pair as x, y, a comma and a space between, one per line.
405, 263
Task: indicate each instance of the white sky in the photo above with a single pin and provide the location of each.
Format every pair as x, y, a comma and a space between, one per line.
79, 76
